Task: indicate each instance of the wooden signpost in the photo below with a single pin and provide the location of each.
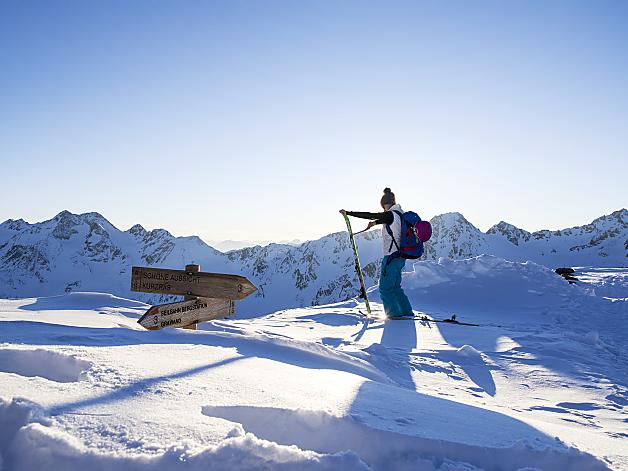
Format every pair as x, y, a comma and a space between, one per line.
207, 296
186, 313
209, 285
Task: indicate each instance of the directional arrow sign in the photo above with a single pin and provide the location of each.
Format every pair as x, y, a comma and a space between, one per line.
186, 313
208, 285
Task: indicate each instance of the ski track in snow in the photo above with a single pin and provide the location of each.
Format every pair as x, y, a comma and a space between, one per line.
543, 384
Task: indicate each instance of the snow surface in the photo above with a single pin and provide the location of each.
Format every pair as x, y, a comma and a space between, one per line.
542, 384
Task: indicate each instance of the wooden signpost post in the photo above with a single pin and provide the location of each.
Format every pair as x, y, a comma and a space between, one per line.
193, 268
207, 296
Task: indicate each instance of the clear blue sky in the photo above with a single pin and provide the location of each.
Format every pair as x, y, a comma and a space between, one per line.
260, 119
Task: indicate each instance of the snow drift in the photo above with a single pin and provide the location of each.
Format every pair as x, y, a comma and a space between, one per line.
541, 385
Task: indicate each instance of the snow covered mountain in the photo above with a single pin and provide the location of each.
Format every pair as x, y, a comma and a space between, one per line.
85, 252
228, 245
603, 242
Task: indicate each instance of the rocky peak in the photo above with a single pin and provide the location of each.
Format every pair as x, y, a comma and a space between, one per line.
94, 216
451, 220
65, 214
159, 234
452, 224
453, 236
14, 224
616, 217
66, 218
94, 220
510, 232
66, 223
137, 231
502, 226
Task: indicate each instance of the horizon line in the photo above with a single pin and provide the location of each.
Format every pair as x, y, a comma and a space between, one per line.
270, 241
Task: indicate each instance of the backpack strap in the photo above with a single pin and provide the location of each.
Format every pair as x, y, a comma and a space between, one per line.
389, 230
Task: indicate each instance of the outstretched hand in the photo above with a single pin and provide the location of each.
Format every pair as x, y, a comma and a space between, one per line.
343, 212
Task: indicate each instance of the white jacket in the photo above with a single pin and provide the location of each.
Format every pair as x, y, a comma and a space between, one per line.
396, 230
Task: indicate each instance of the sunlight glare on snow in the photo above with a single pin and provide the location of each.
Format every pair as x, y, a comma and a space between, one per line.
504, 343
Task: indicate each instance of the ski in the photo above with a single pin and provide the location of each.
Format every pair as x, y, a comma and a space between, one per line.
427, 319
358, 268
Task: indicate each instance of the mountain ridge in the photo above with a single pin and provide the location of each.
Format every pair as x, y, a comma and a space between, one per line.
85, 252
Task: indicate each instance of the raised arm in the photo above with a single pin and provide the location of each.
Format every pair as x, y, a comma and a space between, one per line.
378, 218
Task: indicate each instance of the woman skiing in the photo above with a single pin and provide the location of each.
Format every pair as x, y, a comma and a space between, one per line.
396, 303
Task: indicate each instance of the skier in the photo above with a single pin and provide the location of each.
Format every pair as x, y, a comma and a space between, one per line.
396, 303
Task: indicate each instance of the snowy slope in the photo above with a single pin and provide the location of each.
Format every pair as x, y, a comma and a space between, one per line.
543, 384
87, 253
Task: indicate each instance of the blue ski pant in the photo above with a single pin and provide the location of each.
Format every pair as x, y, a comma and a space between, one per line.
395, 301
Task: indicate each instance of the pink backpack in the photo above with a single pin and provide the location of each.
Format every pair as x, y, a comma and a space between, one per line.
423, 230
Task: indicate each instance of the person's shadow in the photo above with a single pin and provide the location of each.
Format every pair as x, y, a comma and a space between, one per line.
399, 337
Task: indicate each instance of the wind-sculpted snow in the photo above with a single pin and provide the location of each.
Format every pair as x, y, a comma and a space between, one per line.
609, 282
26, 445
487, 284
44, 363
28, 440
83, 300
540, 385
304, 354
382, 450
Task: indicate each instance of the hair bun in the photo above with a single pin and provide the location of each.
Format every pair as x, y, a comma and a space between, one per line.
387, 198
